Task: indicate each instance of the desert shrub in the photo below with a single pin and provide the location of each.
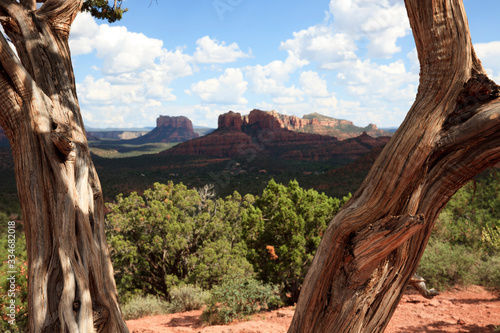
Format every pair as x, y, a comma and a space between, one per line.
488, 272
465, 243
187, 298
472, 216
282, 231
173, 235
443, 264
491, 238
140, 306
238, 299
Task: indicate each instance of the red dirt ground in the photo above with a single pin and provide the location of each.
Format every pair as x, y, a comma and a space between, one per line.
464, 310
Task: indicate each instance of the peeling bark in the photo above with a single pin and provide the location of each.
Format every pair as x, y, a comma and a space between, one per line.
371, 249
71, 286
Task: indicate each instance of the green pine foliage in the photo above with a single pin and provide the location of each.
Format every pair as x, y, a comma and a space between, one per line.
444, 265
101, 9
187, 298
465, 245
141, 306
238, 299
472, 214
173, 235
173, 244
283, 230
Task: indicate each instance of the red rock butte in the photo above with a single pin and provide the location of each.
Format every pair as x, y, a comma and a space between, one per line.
168, 129
272, 134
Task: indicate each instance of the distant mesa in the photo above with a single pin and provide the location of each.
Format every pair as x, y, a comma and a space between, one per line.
168, 129
268, 133
320, 124
313, 123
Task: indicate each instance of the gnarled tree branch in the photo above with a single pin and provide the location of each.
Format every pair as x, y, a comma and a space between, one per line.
451, 133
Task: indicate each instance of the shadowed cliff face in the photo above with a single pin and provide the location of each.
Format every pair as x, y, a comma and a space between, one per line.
263, 133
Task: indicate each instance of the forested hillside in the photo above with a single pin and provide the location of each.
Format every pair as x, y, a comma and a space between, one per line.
175, 248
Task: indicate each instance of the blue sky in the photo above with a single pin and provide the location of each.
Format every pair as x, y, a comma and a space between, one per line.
348, 59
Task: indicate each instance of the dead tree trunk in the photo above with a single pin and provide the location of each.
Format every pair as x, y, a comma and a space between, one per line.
451, 133
70, 277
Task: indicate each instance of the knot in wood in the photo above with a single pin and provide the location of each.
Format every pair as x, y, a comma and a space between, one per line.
478, 90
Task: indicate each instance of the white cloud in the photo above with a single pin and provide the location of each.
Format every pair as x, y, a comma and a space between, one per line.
83, 31
381, 22
212, 52
489, 54
226, 89
320, 44
102, 91
272, 79
369, 81
122, 51
136, 71
128, 57
334, 43
312, 84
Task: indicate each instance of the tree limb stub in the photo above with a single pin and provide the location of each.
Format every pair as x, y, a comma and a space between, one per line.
375, 243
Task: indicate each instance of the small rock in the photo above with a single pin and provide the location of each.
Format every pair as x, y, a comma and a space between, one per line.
460, 322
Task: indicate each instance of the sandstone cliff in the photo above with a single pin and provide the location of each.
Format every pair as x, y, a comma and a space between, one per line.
262, 133
168, 129
319, 124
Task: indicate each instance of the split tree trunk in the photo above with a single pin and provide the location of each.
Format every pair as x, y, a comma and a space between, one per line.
451, 133
71, 286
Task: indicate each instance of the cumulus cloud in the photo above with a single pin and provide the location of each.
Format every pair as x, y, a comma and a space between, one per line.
272, 79
351, 52
226, 89
210, 51
312, 84
135, 74
83, 31
381, 23
122, 51
489, 54
370, 81
102, 91
348, 46
334, 43
320, 44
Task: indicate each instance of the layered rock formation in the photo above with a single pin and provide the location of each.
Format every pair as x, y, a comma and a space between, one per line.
168, 129
263, 133
319, 124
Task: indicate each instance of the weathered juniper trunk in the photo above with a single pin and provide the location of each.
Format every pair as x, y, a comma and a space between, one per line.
70, 277
451, 133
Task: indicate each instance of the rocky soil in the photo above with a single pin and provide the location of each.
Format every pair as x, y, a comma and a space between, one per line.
467, 310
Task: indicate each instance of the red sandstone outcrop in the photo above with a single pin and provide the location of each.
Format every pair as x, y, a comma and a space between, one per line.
312, 123
174, 122
168, 129
230, 120
263, 133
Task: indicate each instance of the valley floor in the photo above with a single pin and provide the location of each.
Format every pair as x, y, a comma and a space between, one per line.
468, 310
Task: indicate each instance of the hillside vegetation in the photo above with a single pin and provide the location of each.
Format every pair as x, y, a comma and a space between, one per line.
176, 248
